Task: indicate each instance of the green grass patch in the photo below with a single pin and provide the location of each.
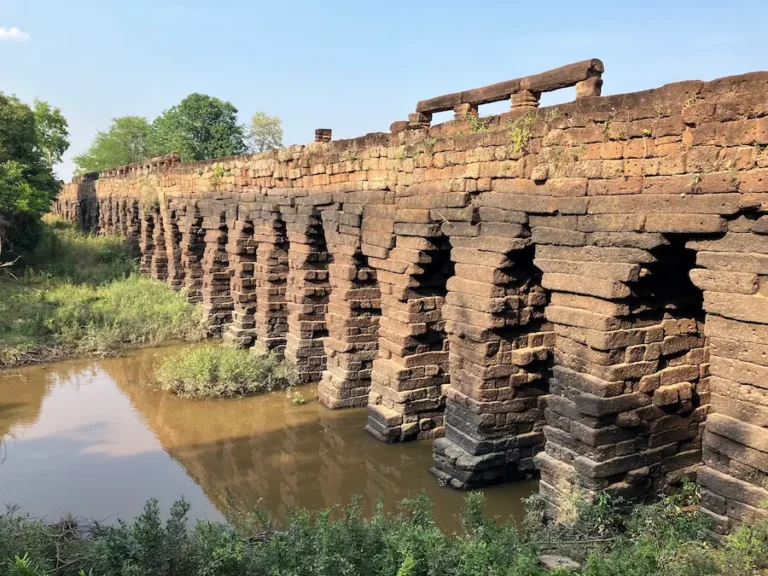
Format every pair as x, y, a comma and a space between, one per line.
614, 539
80, 294
223, 372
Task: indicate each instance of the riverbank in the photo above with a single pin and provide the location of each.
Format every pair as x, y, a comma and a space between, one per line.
606, 538
80, 294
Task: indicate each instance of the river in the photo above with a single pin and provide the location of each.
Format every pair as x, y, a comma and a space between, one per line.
92, 437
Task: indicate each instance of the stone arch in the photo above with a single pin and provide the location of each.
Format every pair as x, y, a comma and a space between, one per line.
217, 299
159, 264
732, 272
192, 252
500, 351
354, 311
147, 239
271, 276
410, 374
173, 243
629, 388
307, 293
242, 261
133, 227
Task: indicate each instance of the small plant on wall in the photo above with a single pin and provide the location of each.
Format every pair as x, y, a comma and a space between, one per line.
476, 124
520, 132
216, 177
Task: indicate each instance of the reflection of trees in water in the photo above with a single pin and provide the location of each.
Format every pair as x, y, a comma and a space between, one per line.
265, 451
23, 391
260, 451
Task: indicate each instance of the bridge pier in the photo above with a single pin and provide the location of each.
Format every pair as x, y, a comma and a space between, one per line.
629, 392
242, 261
407, 399
307, 293
354, 311
217, 300
271, 275
500, 349
732, 275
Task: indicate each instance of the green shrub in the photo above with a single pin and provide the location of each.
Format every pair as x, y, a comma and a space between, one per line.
223, 372
654, 540
79, 294
66, 254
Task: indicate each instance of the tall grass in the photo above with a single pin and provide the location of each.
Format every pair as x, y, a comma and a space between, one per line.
223, 372
662, 539
79, 294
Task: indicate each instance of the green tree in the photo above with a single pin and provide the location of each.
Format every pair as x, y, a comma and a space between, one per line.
199, 128
265, 133
27, 183
124, 142
52, 133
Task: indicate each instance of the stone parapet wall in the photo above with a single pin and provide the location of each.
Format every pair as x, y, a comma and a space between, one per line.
580, 290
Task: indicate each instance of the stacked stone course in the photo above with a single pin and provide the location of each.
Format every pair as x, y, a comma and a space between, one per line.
217, 299
242, 263
354, 310
578, 290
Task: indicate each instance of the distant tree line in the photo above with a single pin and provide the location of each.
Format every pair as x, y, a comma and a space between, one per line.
200, 127
32, 139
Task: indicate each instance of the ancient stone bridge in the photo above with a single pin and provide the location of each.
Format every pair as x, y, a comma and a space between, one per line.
580, 290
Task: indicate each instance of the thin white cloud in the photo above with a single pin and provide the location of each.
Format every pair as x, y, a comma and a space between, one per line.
13, 34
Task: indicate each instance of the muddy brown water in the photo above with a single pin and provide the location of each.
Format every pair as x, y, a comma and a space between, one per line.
91, 437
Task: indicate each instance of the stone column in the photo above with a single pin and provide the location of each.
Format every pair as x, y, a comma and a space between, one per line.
159, 264
217, 300
133, 227
271, 274
173, 246
407, 397
629, 388
108, 223
192, 251
242, 261
500, 348
734, 278
119, 225
354, 310
101, 215
146, 242
307, 293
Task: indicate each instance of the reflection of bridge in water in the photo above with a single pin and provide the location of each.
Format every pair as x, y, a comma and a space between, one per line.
266, 452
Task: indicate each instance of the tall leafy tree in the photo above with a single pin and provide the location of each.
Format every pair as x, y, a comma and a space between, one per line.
52, 133
200, 128
27, 183
265, 133
124, 142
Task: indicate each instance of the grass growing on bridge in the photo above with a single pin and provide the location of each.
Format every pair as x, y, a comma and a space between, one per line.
223, 372
79, 294
609, 538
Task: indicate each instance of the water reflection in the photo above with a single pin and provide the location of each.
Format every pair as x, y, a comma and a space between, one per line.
90, 437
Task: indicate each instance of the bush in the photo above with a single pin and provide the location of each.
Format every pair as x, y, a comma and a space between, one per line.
66, 254
223, 372
657, 542
79, 294
30, 142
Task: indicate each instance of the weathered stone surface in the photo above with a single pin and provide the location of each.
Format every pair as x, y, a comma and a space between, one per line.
566, 289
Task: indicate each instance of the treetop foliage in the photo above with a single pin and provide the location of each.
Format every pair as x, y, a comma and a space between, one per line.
124, 142
31, 142
52, 133
266, 133
200, 127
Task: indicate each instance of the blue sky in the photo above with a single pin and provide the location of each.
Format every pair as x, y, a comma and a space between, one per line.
354, 66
